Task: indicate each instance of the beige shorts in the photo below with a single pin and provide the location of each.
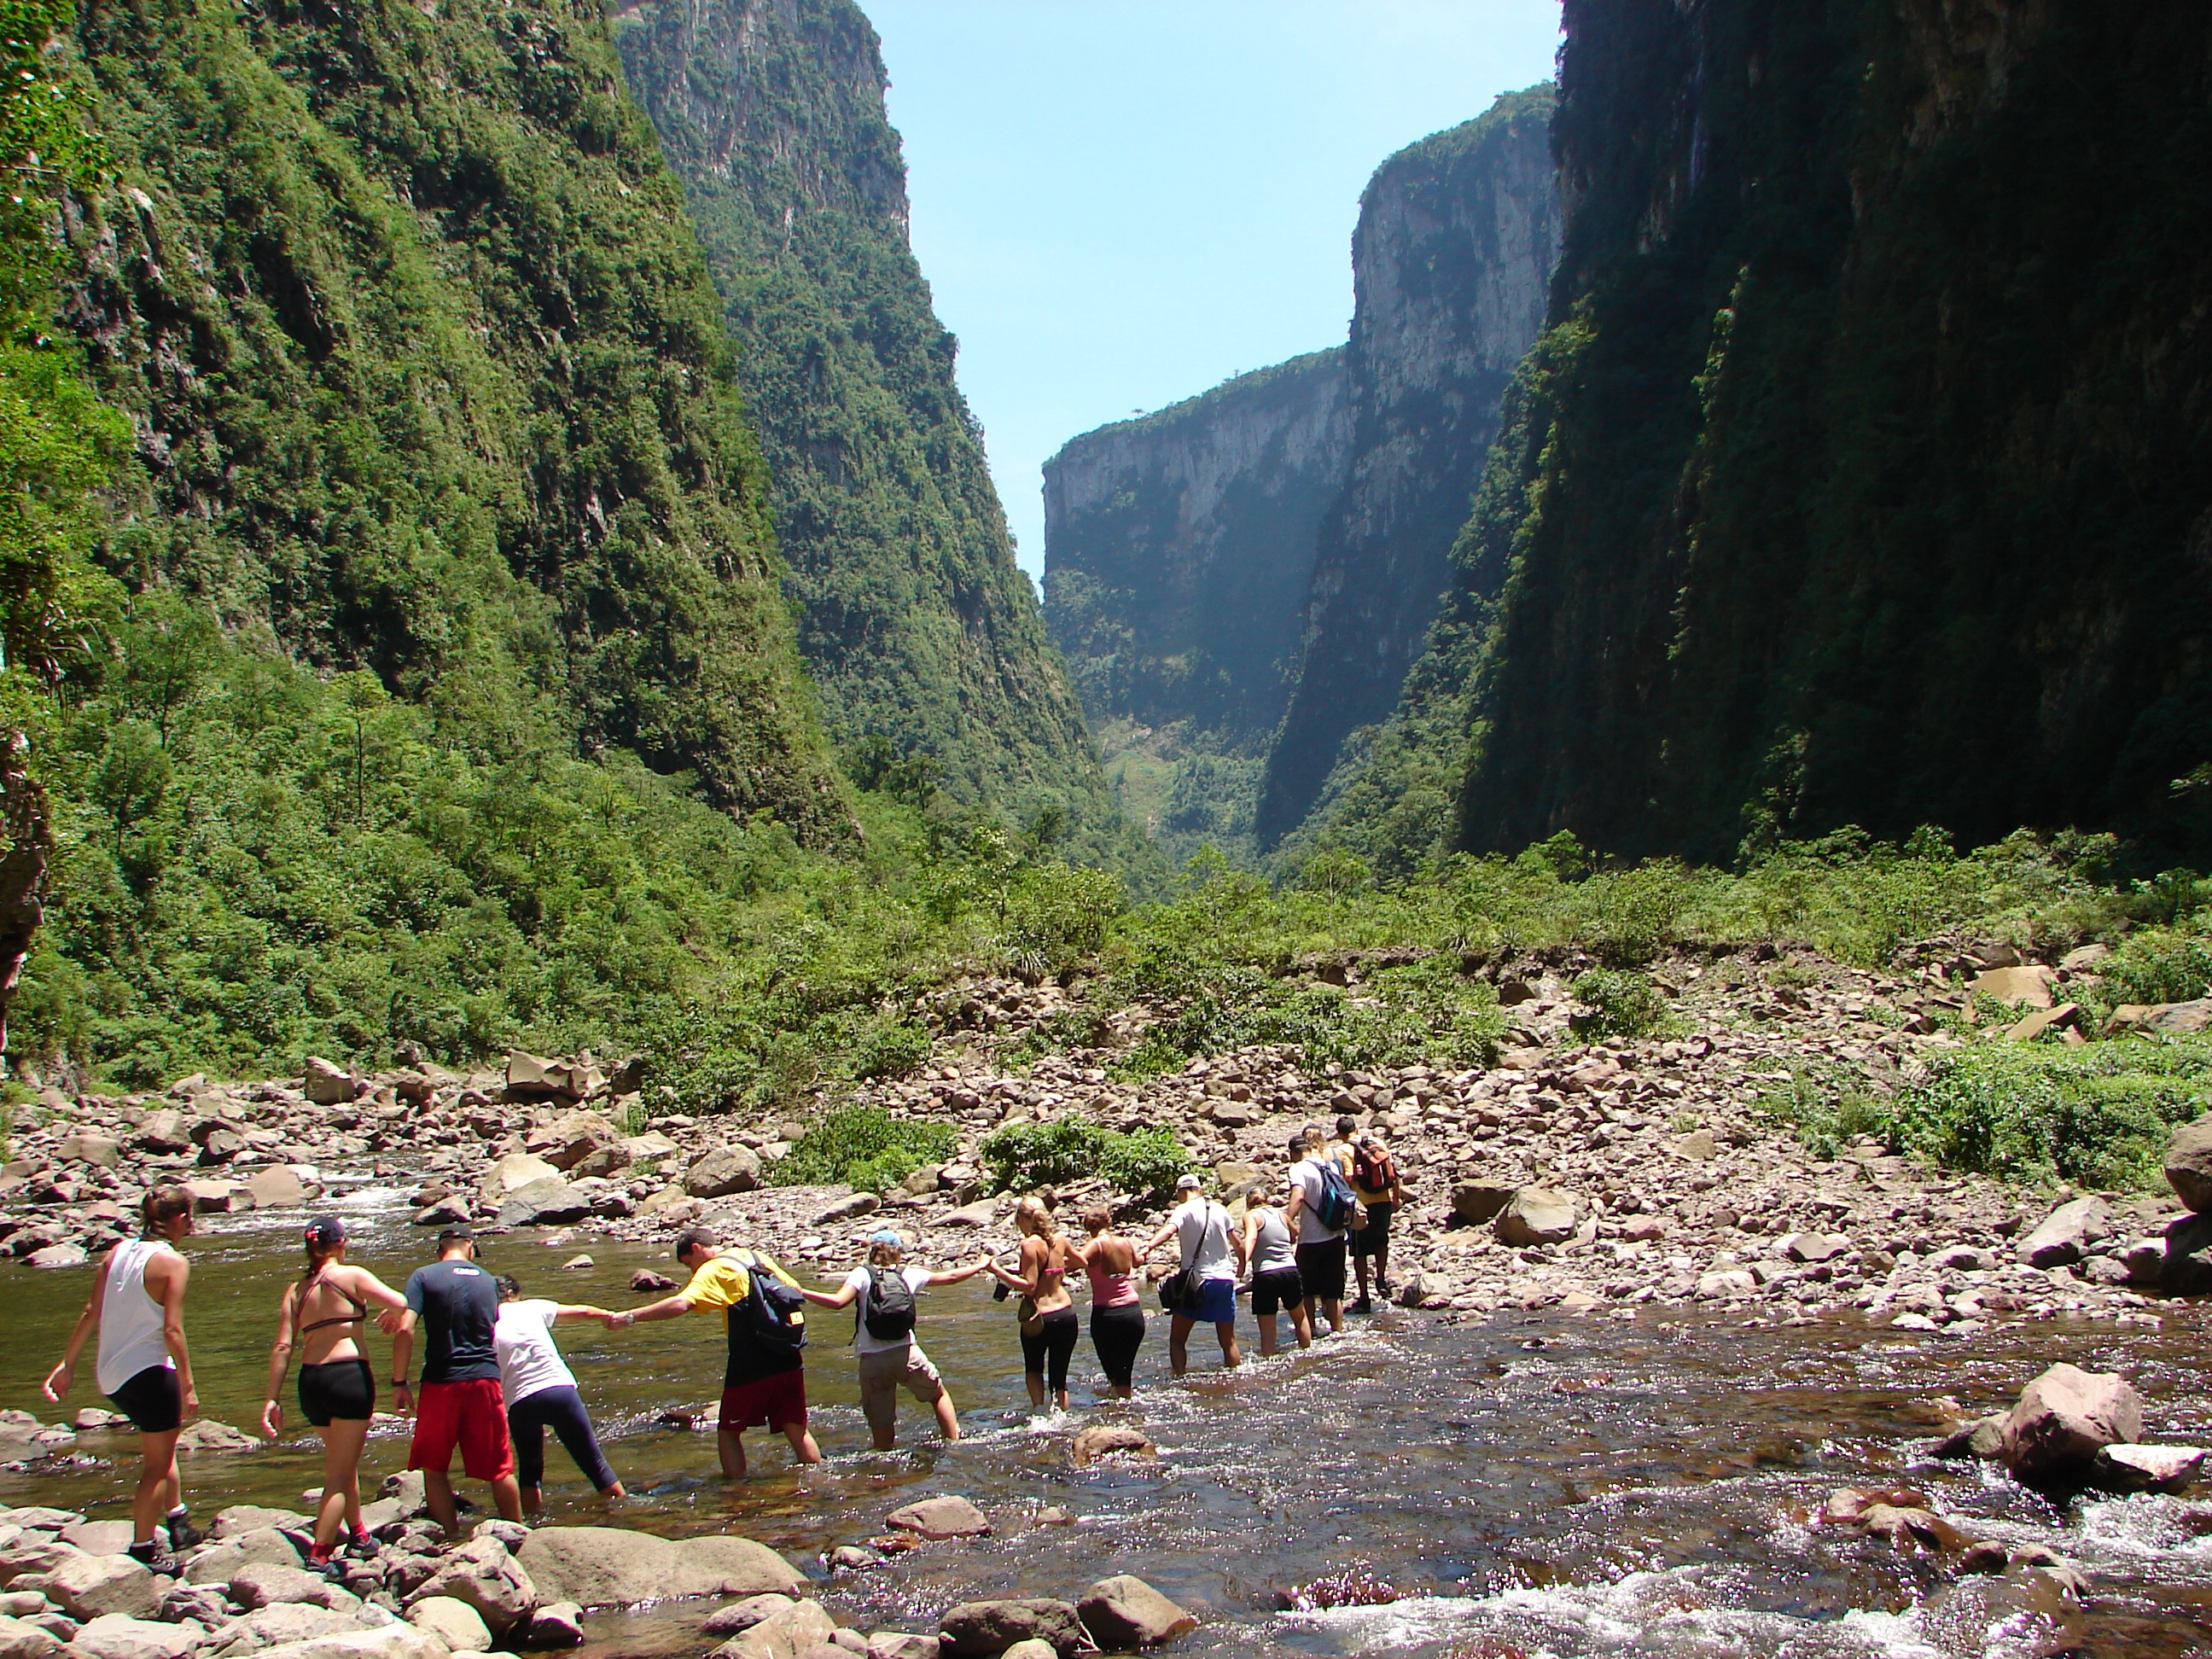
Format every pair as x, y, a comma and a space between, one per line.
881, 1375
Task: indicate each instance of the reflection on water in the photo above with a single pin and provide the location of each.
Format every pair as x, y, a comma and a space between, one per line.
1529, 1485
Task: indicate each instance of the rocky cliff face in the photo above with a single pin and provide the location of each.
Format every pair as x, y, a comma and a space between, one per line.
1451, 260
1866, 477
923, 637
1178, 549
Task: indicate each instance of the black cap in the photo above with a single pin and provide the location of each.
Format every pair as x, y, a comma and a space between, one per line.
459, 1229
325, 1231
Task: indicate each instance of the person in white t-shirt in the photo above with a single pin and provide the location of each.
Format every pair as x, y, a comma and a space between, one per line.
1321, 1248
889, 1357
540, 1391
1211, 1253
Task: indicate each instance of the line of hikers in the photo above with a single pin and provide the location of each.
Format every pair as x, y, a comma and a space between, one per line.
493, 1380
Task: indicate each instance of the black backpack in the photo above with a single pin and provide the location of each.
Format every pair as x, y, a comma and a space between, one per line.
891, 1305
773, 1314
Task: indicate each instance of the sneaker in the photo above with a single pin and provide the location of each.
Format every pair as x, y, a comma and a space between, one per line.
155, 1559
362, 1547
183, 1534
326, 1566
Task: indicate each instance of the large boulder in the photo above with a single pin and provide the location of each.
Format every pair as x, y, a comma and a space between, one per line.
274, 1627
549, 1201
2067, 1233
950, 1517
785, 1633
267, 1584
724, 1170
452, 1621
1537, 1215
2189, 1163
2185, 1268
162, 1131
330, 1085
397, 1640
531, 1076
483, 1575
606, 1566
280, 1186
87, 1586
2064, 1419
984, 1630
511, 1173
220, 1562
84, 1146
2146, 1469
2028, 986
21, 1639
579, 1144
1125, 1612
1478, 1202
119, 1636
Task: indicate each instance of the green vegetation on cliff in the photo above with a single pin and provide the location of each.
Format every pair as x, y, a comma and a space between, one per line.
924, 637
1868, 482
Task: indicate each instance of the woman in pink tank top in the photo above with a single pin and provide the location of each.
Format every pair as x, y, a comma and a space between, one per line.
1117, 1312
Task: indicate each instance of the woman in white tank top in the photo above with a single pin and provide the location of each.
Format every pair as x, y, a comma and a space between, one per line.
137, 1303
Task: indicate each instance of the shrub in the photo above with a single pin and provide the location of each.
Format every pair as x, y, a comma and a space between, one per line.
864, 1147
1618, 1003
888, 1048
2158, 965
2098, 1115
1146, 1164
1827, 1112
1057, 914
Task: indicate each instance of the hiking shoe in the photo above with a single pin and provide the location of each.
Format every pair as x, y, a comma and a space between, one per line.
326, 1566
183, 1534
1362, 1306
362, 1547
155, 1559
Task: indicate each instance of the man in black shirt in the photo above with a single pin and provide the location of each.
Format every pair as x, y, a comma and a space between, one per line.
457, 1304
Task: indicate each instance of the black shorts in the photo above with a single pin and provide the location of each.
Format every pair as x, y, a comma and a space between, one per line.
1320, 1269
1047, 1351
1276, 1289
339, 1388
151, 1401
1377, 1233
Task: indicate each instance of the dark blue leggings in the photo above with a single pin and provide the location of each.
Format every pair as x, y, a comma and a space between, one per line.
560, 1410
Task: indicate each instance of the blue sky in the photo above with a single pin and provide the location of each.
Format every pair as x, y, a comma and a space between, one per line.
1120, 203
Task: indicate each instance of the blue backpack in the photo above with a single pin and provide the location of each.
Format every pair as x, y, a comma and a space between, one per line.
1333, 1207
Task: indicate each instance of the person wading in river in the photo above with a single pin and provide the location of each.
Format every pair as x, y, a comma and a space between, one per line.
1047, 1311
1211, 1256
1320, 1206
1117, 1310
458, 1304
1374, 1182
890, 1357
764, 1381
541, 1392
326, 1313
1275, 1283
138, 1302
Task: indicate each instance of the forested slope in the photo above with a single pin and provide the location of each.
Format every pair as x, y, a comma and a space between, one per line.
925, 640
1869, 477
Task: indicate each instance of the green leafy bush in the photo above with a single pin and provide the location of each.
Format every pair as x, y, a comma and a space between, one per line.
2158, 965
864, 1147
1058, 914
890, 1049
1146, 1164
1827, 1111
2099, 1114
1618, 1003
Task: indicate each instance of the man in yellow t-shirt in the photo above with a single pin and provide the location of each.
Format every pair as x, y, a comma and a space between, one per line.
763, 1385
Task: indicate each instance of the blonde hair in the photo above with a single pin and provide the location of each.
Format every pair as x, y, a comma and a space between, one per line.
1034, 1215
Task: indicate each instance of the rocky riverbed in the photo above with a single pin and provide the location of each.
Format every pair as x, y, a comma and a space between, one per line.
1596, 1177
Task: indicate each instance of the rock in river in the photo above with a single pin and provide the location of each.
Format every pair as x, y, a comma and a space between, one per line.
1125, 1612
950, 1517
2064, 1419
607, 1566
983, 1630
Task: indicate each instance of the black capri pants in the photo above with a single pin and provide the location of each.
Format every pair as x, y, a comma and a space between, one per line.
1055, 1341
561, 1410
1117, 1333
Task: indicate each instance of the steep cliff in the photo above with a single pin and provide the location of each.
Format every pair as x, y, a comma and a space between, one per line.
1178, 550
1871, 479
426, 377
925, 639
1455, 246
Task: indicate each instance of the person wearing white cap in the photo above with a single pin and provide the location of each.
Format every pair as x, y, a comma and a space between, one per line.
1212, 1257
882, 1335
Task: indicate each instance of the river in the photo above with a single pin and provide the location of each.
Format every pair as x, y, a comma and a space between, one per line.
1530, 1484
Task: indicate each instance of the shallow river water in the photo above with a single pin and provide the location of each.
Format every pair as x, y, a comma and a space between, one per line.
1530, 1484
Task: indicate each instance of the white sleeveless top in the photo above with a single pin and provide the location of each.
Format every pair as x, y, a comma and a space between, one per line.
130, 1338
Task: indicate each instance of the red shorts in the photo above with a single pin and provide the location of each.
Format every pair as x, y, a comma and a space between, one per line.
772, 1402
472, 1415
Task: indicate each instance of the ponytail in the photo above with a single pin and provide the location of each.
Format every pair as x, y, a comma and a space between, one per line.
160, 1207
